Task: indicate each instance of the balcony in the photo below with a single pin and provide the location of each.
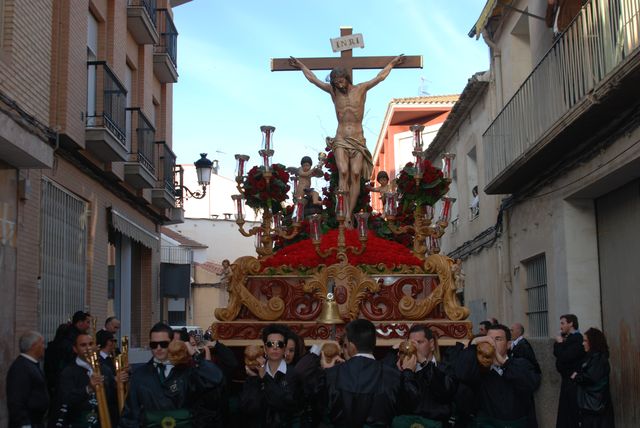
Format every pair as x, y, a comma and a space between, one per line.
140, 171
106, 114
164, 194
141, 21
574, 97
165, 60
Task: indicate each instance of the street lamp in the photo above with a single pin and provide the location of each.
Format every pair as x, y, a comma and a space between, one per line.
203, 171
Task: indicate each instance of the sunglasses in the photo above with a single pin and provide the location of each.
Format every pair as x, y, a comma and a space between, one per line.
275, 344
164, 344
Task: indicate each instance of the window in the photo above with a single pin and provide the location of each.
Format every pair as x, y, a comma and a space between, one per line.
536, 287
92, 55
64, 248
472, 183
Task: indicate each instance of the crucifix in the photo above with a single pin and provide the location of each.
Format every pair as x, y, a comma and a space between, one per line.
353, 159
346, 60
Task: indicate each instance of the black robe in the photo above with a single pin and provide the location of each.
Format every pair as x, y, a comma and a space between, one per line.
211, 408
594, 397
272, 402
27, 396
429, 391
523, 349
502, 397
362, 391
569, 355
75, 403
433, 392
179, 391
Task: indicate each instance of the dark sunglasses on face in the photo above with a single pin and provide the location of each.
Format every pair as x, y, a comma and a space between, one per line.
275, 344
164, 344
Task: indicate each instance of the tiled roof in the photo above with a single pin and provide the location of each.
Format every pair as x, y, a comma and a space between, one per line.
211, 267
183, 240
435, 99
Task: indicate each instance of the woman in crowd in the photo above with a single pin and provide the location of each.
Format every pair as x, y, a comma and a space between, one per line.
295, 348
271, 394
594, 398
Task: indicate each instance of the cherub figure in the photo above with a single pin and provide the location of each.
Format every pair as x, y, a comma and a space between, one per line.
305, 172
225, 276
458, 275
385, 186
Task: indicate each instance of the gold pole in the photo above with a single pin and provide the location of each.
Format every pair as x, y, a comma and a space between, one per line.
120, 386
101, 397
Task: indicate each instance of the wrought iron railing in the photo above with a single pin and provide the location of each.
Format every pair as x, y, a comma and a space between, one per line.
143, 150
599, 40
148, 5
168, 160
168, 36
106, 106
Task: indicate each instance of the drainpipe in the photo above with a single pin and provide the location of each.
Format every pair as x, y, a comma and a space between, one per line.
497, 66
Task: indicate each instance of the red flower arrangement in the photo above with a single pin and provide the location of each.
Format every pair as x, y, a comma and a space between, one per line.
427, 191
302, 254
262, 194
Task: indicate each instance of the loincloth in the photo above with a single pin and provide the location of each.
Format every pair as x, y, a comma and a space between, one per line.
353, 147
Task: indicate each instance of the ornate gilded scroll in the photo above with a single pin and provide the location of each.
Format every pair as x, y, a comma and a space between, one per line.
239, 295
445, 292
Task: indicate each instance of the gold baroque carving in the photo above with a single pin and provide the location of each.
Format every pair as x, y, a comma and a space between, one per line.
239, 295
317, 284
445, 292
357, 282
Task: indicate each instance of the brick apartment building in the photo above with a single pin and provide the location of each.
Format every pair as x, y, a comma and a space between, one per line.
86, 166
394, 147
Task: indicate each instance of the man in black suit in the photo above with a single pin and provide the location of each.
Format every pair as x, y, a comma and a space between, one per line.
163, 393
501, 390
75, 402
27, 396
521, 348
569, 353
363, 391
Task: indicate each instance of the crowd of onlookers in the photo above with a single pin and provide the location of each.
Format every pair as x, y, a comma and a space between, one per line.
194, 380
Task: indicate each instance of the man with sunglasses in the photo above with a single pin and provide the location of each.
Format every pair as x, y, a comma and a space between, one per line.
271, 393
161, 394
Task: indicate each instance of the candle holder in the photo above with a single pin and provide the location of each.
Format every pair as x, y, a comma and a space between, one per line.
390, 204
341, 210
239, 215
341, 249
240, 166
447, 161
267, 137
417, 136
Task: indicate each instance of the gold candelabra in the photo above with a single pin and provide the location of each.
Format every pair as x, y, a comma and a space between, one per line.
426, 237
271, 225
341, 249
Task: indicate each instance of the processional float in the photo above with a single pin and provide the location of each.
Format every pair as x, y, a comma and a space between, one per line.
314, 273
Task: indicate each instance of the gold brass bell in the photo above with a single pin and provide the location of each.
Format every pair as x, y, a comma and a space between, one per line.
330, 313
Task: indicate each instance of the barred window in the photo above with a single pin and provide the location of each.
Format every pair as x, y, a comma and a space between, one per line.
537, 296
63, 255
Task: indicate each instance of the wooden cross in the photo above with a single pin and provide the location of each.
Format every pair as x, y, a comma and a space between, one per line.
346, 60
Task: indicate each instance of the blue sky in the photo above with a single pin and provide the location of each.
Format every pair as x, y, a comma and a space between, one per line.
226, 89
